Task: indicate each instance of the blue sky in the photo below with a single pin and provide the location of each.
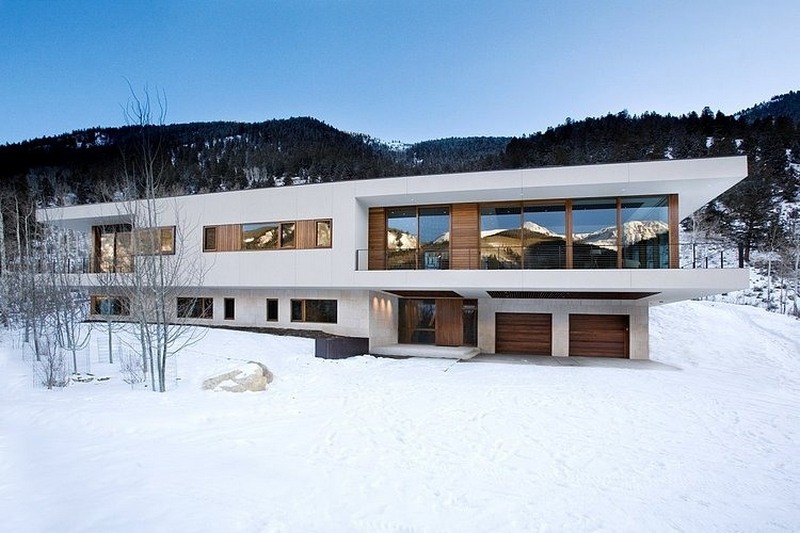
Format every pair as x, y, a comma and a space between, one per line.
401, 70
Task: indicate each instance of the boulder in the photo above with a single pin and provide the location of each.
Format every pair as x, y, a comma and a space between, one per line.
251, 376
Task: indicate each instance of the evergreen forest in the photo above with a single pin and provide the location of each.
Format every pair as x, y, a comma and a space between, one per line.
760, 213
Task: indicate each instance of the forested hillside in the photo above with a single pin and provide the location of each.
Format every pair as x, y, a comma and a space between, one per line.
784, 105
760, 213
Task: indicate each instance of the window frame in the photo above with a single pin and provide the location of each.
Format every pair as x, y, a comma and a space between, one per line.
204, 303
124, 305
139, 235
276, 303
122, 256
317, 222
303, 306
210, 231
402, 255
229, 309
283, 230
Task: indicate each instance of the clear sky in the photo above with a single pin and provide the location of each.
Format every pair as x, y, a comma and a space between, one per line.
403, 70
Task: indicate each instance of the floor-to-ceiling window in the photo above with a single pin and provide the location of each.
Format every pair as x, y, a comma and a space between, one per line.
418, 238
544, 236
645, 232
501, 246
401, 238
587, 233
434, 237
594, 233
112, 249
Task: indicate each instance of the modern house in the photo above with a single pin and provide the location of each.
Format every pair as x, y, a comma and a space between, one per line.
559, 261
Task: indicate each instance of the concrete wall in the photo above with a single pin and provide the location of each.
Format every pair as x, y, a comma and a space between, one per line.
383, 320
353, 318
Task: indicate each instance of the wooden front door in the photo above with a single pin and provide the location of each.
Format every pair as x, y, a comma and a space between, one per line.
449, 322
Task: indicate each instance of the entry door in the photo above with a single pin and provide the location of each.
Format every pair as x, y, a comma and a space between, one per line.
449, 322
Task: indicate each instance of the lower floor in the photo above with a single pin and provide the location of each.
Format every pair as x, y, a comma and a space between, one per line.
507, 324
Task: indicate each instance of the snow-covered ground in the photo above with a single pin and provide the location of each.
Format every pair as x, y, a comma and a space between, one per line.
705, 438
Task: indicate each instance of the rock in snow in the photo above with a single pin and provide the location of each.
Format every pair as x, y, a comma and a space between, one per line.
252, 377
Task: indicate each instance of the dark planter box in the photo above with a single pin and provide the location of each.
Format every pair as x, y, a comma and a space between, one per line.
340, 347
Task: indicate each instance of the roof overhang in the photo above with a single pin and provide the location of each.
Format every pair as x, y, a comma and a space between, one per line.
697, 181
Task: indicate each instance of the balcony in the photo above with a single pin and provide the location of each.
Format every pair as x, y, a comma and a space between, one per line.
692, 255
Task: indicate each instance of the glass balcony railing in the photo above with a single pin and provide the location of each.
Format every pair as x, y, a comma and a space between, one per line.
554, 257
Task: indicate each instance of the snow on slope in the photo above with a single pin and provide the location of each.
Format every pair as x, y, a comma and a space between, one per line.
705, 438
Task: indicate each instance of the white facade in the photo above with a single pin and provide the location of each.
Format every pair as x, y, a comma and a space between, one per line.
366, 308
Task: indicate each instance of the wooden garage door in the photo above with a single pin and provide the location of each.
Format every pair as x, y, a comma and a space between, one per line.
523, 333
598, 335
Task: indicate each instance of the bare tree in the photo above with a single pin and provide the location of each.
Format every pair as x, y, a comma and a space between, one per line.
155, 270
50, 366
67, 300
790, 264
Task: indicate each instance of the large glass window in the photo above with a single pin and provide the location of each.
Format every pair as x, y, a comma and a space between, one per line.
323, 311
434, 237
287, 234
544, 236
501, 245
260, 236
418, 238
401, 238
195, 308
594, 233
154, 241
113, 249
645, 232
324, 237
417, 321
110, 306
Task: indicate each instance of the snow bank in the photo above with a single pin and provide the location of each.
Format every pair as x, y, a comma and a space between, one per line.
706, 439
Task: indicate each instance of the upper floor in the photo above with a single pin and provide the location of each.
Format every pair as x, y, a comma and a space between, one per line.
419, 231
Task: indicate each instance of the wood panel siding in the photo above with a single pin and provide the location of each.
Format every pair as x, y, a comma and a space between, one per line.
524, 333
599, 335
376, 239
674, 251
464, 236
229, 238
306, 234
449, 322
